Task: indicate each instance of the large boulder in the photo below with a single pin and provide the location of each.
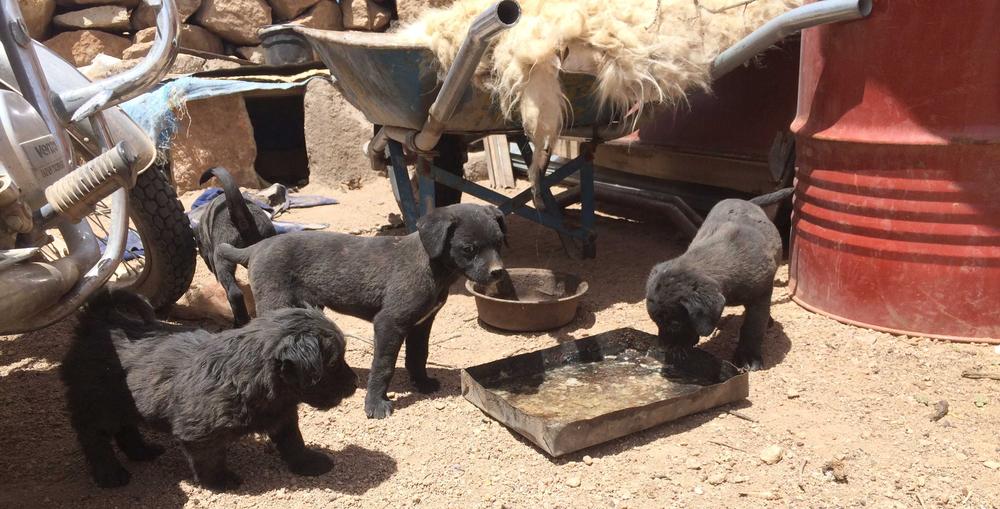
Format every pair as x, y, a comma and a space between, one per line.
288, 9
336, 133
90, 3
80, 47
191, 37
113, 18
37, 16
144, 16
325, 15
214, 132
409, 10
365, 15
236, 21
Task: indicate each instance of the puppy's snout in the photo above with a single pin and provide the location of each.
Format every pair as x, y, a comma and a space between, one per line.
497, 271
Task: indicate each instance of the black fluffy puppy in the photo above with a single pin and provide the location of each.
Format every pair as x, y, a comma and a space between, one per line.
125, 368
229, 219
397, 283
732, 260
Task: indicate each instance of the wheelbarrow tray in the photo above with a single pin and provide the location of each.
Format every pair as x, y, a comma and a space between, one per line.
504, 389
393, 82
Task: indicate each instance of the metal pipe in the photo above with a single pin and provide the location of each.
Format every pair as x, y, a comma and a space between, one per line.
800, 18
499, 17
83, 252
78, 103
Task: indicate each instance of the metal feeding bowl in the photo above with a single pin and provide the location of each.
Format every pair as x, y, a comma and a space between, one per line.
529, 299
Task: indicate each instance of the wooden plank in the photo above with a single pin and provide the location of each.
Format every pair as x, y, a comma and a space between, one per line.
753, 177
498, 161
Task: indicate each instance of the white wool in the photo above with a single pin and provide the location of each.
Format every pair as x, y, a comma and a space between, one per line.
641, 51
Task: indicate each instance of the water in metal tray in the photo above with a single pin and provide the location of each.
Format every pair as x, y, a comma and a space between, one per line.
586, 390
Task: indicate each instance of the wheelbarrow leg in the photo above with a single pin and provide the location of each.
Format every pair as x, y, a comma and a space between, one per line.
399, 178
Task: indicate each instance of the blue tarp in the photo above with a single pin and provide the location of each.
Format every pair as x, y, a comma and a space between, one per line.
156, 111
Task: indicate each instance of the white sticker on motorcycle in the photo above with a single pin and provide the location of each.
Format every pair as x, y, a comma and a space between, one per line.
44, 156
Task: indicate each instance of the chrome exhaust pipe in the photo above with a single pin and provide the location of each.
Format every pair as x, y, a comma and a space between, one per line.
797, 19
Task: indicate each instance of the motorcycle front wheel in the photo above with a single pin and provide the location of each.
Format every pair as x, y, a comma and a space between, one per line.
160, 252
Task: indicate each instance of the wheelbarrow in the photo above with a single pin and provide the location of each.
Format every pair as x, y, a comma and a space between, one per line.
395, 85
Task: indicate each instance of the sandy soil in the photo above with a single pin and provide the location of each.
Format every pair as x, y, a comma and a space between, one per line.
830, 393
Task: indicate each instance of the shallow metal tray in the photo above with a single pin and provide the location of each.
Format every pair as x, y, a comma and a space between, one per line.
698, 383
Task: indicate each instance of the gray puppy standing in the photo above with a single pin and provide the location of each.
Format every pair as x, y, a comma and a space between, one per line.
229, 219
731, 261
397, 283
126, 368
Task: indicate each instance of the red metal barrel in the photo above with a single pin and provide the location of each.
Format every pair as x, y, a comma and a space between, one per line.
897, 202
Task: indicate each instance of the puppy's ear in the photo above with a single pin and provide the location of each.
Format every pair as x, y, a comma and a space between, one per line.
435, 231
499, 216
704, 306
299, 360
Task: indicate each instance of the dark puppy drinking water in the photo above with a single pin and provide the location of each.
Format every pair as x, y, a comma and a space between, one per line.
125, 368
397, 283
230, 219
731, 261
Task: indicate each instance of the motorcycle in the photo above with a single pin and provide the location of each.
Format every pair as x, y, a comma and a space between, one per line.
79, 180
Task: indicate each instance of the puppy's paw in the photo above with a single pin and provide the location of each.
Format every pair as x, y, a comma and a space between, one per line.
310, 463
111, 476
426, 385
224, 480
378, 409
146, 452
750, 361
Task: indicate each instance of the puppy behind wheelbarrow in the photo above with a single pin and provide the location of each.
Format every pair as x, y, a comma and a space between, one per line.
397, 283
229, 219
208, 390
732, 260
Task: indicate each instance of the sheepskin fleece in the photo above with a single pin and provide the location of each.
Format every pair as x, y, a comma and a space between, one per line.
641, 51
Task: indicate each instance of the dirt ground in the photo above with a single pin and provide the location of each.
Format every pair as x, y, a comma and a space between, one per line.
829, 393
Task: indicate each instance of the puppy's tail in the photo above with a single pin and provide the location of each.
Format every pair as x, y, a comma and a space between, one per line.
772, 198
119, 308
235, 254
236, 204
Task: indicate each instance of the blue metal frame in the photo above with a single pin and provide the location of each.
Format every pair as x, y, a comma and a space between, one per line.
552, 217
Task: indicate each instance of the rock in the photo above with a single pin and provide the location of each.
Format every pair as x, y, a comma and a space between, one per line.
191, 37
80, 47
692, 464
106, 17
90, 3
587, 460
772, 454
835, 469
254, 54
185, 64
764, 495
439, 405
208, 301
365, 15
716, 478
992, 465
288, 9
409, 11
921, 398
573, 482
214, 64
335, 135
215, 132
698, 490
940, 410
37, 16
236, 21
325, 15
981, 401
144, 16
792, 393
